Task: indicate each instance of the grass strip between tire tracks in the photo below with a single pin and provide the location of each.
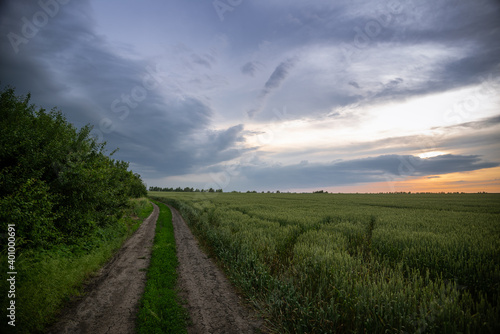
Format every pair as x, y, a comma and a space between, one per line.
161, 310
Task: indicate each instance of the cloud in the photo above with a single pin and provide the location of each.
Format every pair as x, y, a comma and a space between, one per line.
459, 39
278, 76
409, 165
128, 100
251, 68
477, 125
354, 84
88, 56
355, 171
275, 80
205, 60
426, 48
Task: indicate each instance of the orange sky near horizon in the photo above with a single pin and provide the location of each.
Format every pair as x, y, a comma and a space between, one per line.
487, 180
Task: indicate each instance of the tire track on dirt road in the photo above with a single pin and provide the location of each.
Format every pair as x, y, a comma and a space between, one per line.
112, 301
213, 304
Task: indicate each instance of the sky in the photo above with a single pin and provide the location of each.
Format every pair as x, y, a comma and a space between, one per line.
344, 96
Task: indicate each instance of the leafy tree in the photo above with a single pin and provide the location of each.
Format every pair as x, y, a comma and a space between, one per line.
56, 182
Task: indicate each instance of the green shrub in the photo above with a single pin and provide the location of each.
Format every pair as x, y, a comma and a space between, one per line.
56, 182
47, 278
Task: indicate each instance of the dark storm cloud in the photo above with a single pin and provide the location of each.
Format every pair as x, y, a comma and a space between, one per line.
408, 165
374, 169
374, 34
400, 35
66, 64
472, 28
189, 154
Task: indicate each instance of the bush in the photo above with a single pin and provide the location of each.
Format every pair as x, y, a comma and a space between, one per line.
56, 182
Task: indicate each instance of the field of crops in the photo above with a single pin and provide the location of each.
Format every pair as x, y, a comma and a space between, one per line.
344, 263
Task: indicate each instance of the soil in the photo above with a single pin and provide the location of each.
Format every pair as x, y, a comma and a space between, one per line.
112, 297
111, 300
213, 304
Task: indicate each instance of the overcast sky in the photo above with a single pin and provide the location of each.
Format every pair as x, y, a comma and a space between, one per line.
262, 95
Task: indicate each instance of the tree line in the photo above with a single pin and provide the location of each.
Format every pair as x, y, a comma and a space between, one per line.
57, 183
186, 190
210, 190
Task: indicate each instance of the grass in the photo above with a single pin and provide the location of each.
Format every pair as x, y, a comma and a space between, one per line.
48, 278
160, 309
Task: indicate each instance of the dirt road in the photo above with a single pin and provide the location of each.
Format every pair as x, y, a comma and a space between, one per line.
213, 304
111, 304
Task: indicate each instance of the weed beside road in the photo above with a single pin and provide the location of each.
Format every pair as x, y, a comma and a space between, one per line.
48, 278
